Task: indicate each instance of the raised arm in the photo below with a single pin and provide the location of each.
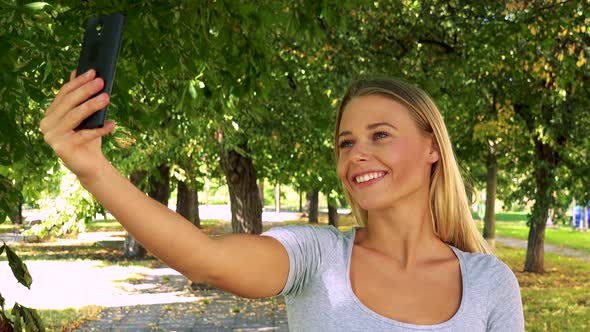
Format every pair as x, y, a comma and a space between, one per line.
247, 265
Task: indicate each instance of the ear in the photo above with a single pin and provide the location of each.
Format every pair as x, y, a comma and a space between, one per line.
433, 151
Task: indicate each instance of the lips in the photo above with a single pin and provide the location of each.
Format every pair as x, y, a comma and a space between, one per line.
367, 177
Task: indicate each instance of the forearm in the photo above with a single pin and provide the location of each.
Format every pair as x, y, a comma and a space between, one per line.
165, 233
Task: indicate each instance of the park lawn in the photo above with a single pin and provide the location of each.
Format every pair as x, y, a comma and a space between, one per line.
557, 300
108, 225
67, 319
8, 227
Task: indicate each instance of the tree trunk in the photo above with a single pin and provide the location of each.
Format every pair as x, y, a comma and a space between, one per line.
535, 256
277, 197
17, 213
246, 208
489, 228
160, 185
332, 213
187, 203
312, 200
133, 249
544, 180
160, 191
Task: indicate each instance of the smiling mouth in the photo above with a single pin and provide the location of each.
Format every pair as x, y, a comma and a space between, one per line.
368, 177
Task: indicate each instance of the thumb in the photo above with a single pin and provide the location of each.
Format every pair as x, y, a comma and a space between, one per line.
88, 135
109, 127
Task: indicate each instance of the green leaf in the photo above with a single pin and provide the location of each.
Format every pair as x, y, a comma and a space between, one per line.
32, 320
192, 91
2, 302
46, 72
19, 269
16, 312
36, 5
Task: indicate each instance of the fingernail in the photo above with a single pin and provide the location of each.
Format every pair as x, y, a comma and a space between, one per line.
88, 73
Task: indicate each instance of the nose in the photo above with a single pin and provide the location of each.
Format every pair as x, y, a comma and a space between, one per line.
360, 152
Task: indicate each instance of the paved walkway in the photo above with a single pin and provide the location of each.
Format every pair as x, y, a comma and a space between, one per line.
214, 311
518, 243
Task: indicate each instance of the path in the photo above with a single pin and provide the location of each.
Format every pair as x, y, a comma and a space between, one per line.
518, 243
214, 311
140, 298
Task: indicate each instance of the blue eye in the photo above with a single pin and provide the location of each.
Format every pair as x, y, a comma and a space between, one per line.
380, 135
345, 144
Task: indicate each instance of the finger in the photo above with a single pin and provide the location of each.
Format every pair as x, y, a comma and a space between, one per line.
70, 119
82, 94
75, 84
68, 87
87, 135
73, 118
56, 113
73, 75
111, 123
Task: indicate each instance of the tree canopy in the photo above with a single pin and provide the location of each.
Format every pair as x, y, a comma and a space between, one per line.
197, 81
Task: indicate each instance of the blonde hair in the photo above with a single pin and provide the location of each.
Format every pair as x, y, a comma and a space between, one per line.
451, 216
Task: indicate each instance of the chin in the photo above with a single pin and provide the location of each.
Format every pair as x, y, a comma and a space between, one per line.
374, 204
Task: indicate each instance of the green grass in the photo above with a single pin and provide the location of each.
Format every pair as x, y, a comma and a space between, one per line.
557, 300
67, 319
511, 216
505, 216
109, 225
8, 227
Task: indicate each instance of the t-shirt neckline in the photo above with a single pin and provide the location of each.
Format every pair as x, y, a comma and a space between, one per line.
388, 320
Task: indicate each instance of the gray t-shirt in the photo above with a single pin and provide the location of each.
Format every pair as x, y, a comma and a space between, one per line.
319, 296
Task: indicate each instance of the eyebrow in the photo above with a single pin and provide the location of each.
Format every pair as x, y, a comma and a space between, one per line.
371, 126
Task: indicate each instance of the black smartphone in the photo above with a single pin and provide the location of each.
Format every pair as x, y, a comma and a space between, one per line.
100, 50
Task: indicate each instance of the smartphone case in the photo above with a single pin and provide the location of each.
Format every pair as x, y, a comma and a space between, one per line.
100, 50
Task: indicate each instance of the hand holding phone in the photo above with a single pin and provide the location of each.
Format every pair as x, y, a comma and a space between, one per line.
100, 50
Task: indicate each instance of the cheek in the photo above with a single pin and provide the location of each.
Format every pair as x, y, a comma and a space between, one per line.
402, 158
341, 169
408, 160
396, 154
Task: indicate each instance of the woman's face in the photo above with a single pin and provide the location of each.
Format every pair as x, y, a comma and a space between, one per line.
384, 158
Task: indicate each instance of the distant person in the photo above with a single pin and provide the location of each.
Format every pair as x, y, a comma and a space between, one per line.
417, 261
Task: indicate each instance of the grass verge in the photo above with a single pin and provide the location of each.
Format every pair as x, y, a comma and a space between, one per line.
67, 319
557, 300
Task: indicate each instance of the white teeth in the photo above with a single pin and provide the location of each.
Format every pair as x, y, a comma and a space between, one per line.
369, 176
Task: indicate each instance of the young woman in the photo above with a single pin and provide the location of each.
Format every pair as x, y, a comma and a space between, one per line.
416, 263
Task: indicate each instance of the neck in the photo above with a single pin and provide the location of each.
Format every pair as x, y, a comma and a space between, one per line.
403, 233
